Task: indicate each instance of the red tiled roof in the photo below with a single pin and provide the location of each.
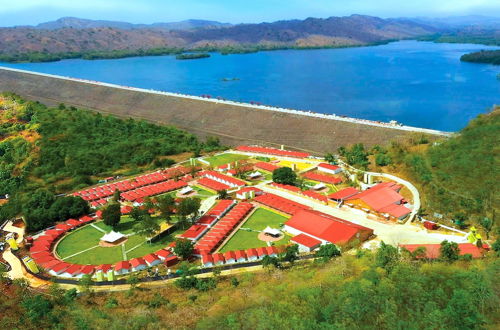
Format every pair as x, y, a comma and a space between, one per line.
229, 255
266, 166
395, 210
271, 250
222, 177
74, 269
218, 257
344, 193
137, 262
326, 227
322, 178
432, 250
261, 251
163, 253
207, 258
286, 187
251, 253
379, 196
87, 270
212, 184
240, 254
150, 258
315, 195
194, 231
306, 240
73, 222
104, 268
273, 151
60, 267
281, 204
329, 166
122, 265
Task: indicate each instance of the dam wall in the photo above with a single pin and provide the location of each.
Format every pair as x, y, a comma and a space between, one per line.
234, 123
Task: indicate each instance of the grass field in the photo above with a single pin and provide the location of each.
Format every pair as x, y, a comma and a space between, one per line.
258, 221
203, 193
224, 159
88, 237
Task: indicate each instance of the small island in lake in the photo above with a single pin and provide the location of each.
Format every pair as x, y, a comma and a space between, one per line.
192, 56
230, 79
484, 56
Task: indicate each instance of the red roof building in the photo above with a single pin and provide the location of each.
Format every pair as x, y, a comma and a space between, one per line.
329, 168
240, 256
103, 268
432, 251
326, 228
343, 194
322, 178
306, 243
218, 258
230, 257
224, 179
252, 254
266, 166
382, 198
163, 254
261, 252
152, 259
207, 260
273, 151
122, 267
194, 232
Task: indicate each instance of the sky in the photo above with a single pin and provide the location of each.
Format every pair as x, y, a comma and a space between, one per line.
30, 12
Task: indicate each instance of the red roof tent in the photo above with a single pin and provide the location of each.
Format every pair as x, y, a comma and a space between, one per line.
207, 258
432, 250
41, 260
262, 251
163, 253
306, 240
266, 166
122, 265
212, 184
104, 268
272, 250
286, 187
74, 269
73, 222
229, 255
150, 258
322, 178
38, 248
315, 195
86, 219
137, 262
251, 253
194, 231
240, 254
281, 204
329, 166
49, 265
63, 227
60, 267
218, 257
343, 194
326, 227
273, 151
219, 176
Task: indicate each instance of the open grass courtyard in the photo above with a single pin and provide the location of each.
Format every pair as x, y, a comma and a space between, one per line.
246, 236
82, 245
224, 159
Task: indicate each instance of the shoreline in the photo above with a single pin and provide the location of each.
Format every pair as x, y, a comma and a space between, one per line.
305, 113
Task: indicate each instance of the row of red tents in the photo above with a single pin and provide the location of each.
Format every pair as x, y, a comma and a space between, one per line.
152, 190
231, 257
273, 151
223, 228
281, 204
322, 178
104, 191
212, 184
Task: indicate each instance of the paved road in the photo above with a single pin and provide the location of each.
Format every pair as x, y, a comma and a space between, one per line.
246, 105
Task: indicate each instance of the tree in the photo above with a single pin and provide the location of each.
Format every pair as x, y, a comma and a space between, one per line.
290, 254
487, 224
271, 261
37, 307
387, 256
85, 283
284, 175
147, 226
222, 194
496, 246
184, 248
116, 196
111, 215
449, 251
460, 219
383, 160
165, 205
133, 281
188, 207
330, 158
327, 251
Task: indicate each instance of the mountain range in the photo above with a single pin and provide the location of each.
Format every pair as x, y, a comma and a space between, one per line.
72, 37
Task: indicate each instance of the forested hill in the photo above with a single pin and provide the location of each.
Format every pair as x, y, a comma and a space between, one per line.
33, 44
484, 56
61, 149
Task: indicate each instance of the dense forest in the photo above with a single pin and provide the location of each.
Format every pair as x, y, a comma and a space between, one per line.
383, 289
484, 56
64, 148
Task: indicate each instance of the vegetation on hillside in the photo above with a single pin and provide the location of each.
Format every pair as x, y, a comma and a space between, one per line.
457, 176
483, 37
384, 289
192, 56
61, 149
484, 56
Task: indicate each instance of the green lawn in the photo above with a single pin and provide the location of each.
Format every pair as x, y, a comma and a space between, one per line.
203, 193
79, 240
224, 159
98, 256
260, 219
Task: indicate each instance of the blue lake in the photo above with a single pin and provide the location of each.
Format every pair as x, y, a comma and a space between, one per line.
416, 83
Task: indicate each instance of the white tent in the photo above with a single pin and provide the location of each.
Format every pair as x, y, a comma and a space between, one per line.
186, 190
319, 186
272, 231
254, 175
112, 237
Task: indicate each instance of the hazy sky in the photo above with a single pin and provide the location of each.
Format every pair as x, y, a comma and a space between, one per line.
21, 12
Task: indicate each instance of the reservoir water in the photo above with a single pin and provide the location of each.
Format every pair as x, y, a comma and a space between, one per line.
420, 84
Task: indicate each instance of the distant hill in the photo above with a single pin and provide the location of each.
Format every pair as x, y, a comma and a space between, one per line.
72, 38
458, 22
81, 23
